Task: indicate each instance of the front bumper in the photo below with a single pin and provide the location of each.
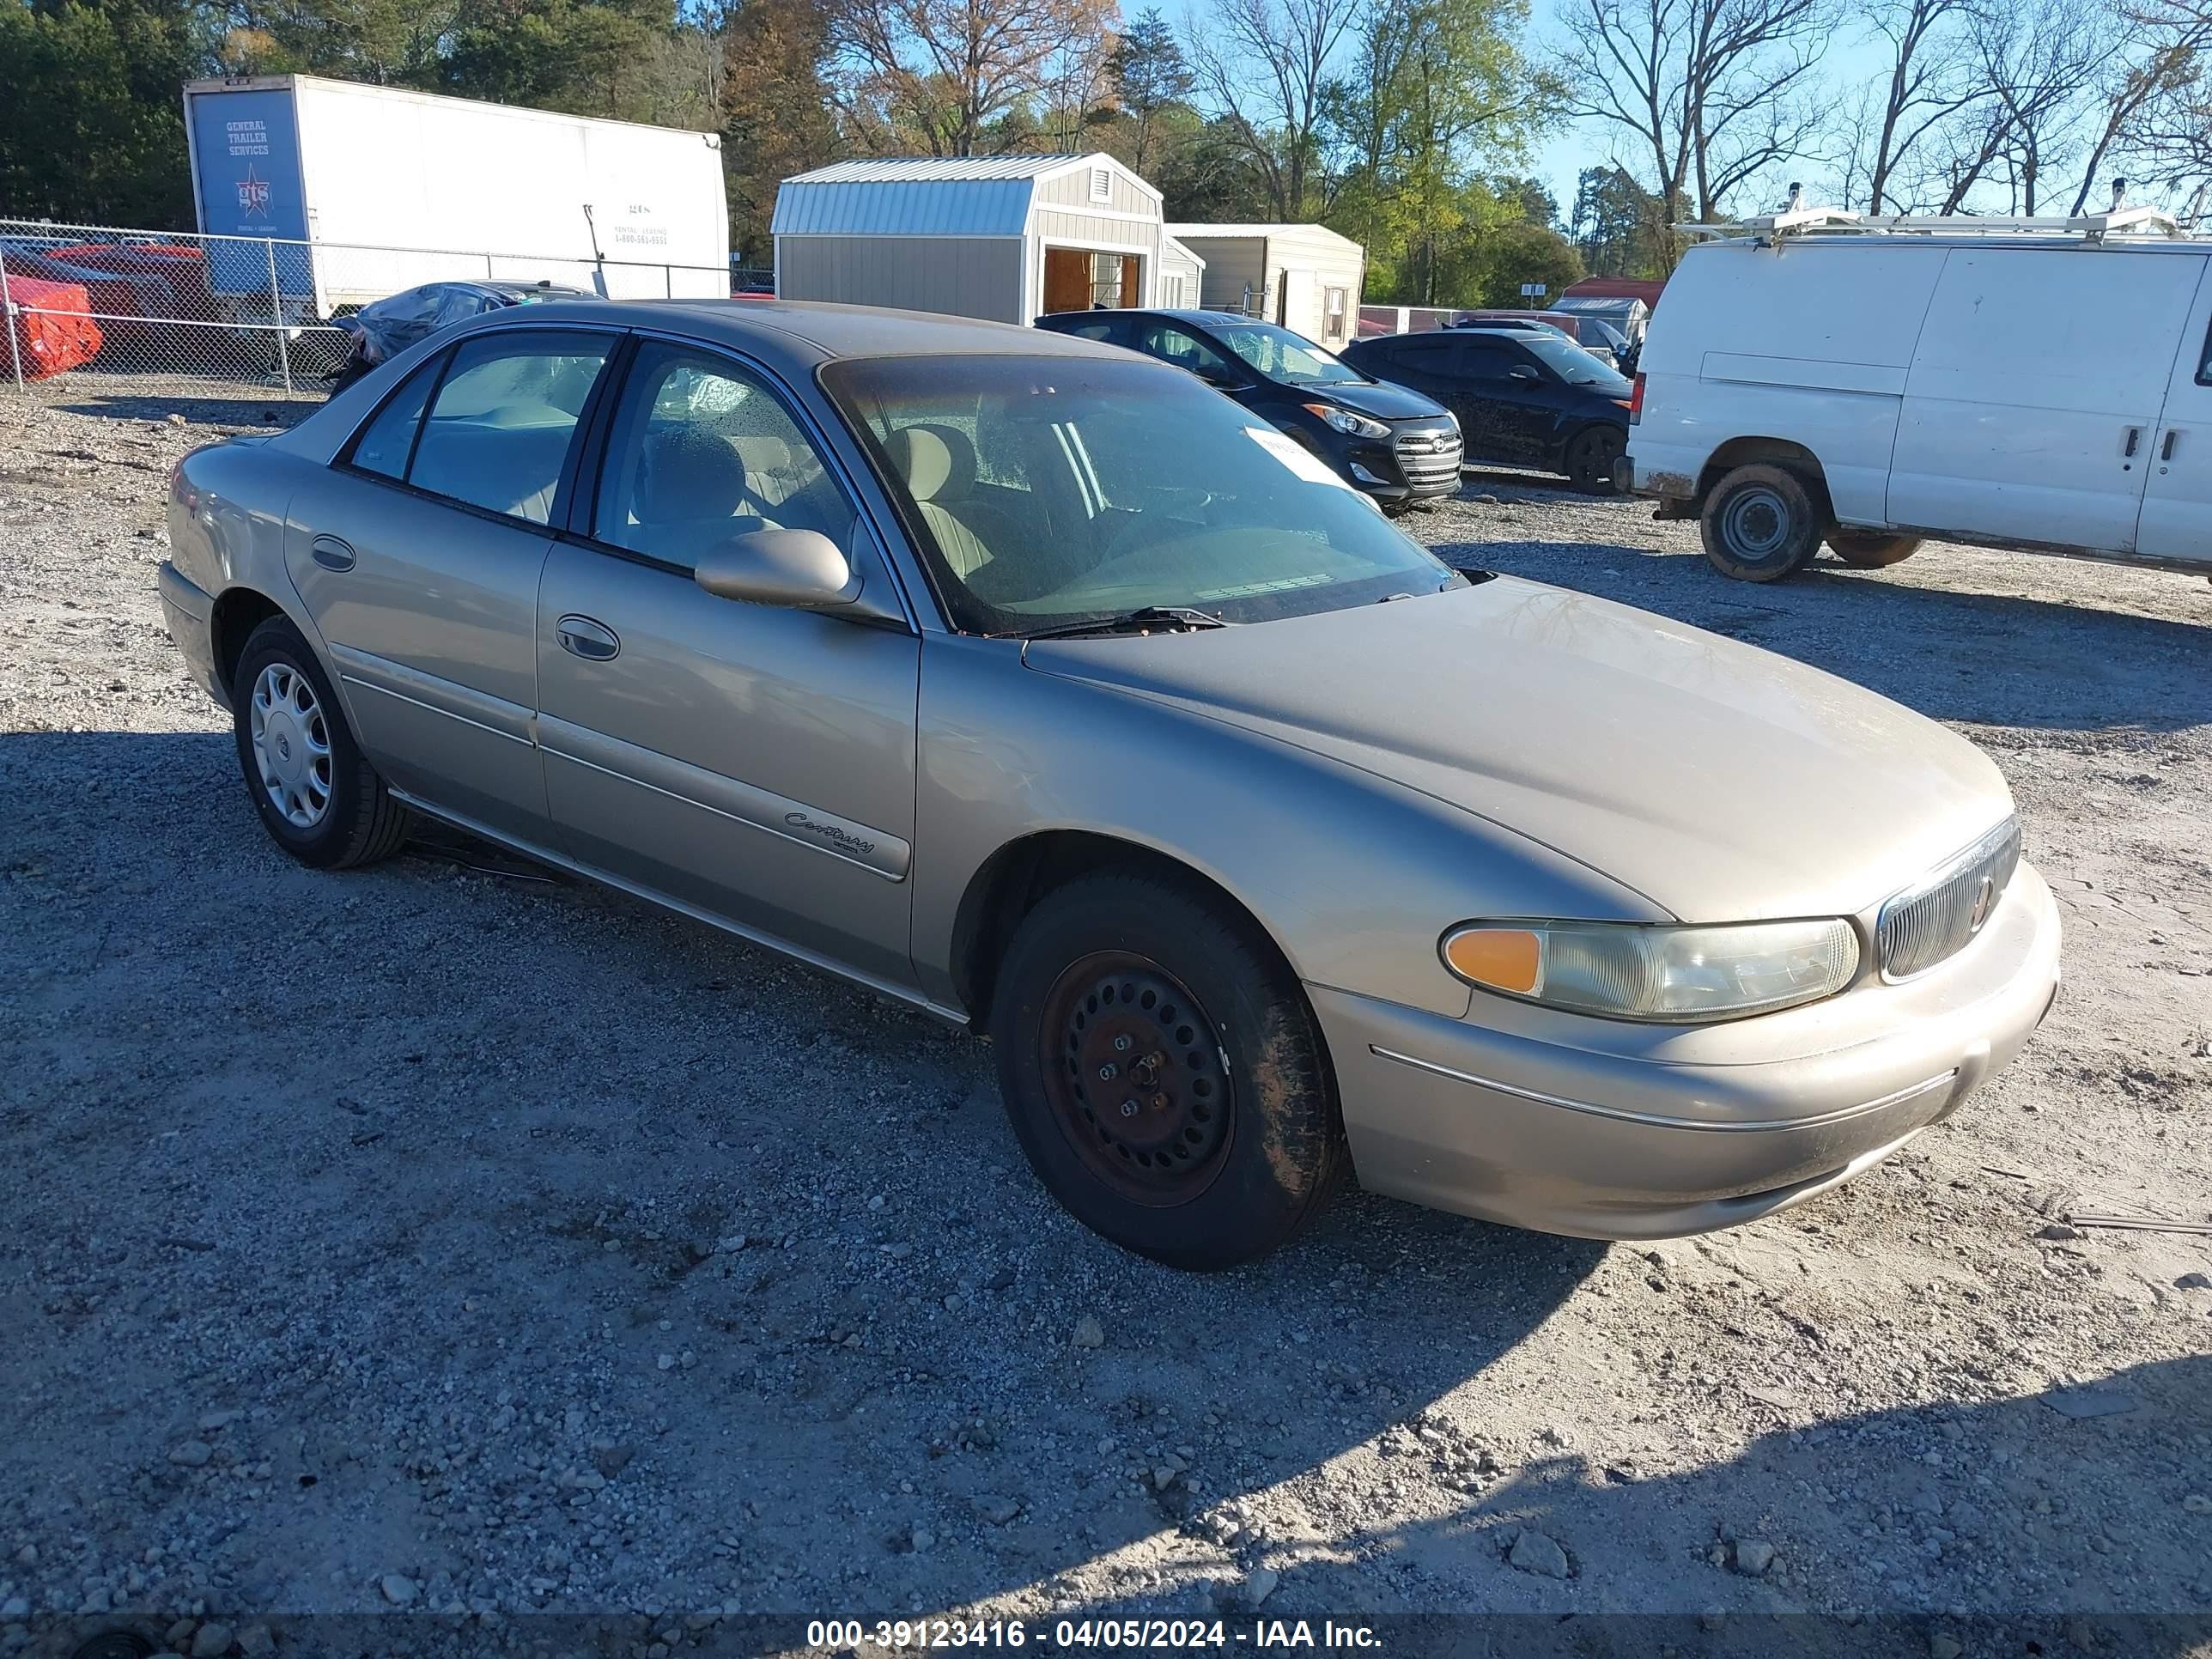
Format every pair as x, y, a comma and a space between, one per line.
1691, 1134
1419, 461
188, 613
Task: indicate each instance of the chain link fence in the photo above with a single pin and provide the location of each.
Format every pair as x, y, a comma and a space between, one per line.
153, 311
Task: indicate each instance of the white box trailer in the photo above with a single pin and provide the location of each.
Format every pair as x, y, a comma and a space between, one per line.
353, 192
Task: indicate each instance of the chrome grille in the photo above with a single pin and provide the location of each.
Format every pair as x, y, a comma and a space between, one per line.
1429, 458
1934, 918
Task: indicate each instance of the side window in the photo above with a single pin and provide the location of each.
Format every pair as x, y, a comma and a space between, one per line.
386, 443
2204, 363
1483, 358
1182, 348
1105, 328
701, 452
500, 425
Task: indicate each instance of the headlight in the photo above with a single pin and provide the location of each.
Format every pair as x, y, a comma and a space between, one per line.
1344, 421
1629, 971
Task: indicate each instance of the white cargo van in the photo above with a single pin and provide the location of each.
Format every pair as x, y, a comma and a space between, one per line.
2041, 383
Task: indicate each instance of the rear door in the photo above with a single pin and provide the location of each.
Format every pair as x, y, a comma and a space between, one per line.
2177, 509
418, 553
753, 762
2031, 407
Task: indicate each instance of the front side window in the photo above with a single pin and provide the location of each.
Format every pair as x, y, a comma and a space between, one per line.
1570, 362
1182, 348
701, 450
1282, 355
1048, 491
500, 428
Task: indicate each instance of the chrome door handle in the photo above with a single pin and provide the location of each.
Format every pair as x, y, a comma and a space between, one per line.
331, 553
580, 636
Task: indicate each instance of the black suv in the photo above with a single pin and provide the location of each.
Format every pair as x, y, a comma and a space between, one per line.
1395, 445
1524, 397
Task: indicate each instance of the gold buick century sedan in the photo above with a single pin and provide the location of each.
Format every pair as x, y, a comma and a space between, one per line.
1037, 685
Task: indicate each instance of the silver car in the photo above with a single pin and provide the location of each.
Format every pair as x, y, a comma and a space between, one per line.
1037, 685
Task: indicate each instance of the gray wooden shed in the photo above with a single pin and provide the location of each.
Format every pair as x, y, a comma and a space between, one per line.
1306, 278
998, 237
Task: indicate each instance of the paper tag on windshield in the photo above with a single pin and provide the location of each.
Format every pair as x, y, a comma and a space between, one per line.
1300, 460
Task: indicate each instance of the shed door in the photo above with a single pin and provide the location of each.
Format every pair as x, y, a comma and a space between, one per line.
1066, 279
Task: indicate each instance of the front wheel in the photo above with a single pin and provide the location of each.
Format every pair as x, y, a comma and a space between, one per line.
1164, 1073
319, 800
1590, 457
1760, 524
1867, 549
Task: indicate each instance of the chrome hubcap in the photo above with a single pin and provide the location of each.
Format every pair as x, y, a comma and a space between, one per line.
291, 745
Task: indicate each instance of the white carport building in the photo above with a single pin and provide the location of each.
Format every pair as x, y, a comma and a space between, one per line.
998, 237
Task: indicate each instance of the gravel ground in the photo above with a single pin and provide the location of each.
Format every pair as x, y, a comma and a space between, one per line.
446, 1238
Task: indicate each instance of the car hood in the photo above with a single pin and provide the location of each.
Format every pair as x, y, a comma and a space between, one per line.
1719, 781
1384, 403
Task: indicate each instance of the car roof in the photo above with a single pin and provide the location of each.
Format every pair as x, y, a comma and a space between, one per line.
797, 336
1216, 319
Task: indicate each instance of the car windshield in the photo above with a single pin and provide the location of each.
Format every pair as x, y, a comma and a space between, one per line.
1282, 355
1571, 363
1046, 492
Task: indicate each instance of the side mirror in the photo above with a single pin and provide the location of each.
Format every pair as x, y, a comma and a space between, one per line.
1523, 373
799, 569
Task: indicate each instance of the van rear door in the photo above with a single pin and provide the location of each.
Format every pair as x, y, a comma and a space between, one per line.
2177, 509
2035, 388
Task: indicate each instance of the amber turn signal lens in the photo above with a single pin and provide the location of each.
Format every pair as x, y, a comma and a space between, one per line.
1503, 958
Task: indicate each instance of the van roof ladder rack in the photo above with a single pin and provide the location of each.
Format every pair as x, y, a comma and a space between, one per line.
1829, 221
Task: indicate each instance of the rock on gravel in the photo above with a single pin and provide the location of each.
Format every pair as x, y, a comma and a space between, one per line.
1088, 1333
1534, 1551
398, 1589
1752, 1556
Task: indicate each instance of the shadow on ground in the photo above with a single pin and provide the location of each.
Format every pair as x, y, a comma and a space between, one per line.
1986, 658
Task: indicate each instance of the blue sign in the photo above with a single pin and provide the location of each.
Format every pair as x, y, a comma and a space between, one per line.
247, 146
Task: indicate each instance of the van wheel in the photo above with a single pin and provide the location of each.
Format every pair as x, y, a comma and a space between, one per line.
1164, 1073
1760, 525
1591, 458
1867, 551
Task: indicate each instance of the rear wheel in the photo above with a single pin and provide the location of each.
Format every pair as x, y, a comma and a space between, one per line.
1869, 550
1163, 1072
1760, 524
318, 798
1590, 456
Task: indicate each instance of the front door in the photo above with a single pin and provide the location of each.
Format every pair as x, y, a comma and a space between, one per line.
418, 554
2177, 509
754, 762
1502, 415
2031, 408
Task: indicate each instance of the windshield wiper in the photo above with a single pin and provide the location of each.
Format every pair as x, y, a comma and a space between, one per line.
1145, 619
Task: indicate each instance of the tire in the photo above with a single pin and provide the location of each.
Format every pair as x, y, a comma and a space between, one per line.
1869, 551
1590, 455
1760, 524
295, 748
1239, 1144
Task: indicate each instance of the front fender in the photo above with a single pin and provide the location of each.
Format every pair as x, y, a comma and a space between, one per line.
1354, 876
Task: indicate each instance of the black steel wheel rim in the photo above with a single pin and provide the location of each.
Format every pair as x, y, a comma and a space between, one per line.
1137, 1077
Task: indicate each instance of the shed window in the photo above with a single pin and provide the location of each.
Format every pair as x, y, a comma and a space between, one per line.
1102, 184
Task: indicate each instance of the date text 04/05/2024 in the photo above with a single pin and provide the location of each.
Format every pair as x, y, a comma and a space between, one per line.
1072, 1635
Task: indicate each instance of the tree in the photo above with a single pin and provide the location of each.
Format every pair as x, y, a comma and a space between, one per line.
90, 127
776, 118
1710, 90
1149, 74
940, 75
1929, 79
1265, 65
1616, 223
